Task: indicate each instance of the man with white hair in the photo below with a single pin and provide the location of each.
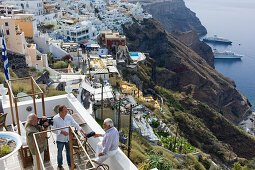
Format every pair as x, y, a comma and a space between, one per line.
110, 143
32, 127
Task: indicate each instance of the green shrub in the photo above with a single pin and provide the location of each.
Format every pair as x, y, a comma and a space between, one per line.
60, 64
178, 145
32, 69
54, 92
5, 149
250, 164
157, 160
237, 166
155, 124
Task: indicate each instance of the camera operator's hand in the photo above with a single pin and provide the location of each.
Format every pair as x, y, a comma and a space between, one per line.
44, 118
45, 124
64, 133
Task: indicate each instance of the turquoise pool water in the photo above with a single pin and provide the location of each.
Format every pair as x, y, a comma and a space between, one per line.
134, 55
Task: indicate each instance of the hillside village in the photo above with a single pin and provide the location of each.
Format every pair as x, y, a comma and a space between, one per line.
79, 47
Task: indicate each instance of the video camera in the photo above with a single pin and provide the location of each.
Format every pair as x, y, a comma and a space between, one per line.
42, 121
90, 134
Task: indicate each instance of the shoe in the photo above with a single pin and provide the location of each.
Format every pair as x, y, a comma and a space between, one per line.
60, 167
70, 166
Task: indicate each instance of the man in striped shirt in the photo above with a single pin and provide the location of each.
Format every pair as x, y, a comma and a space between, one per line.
110, 143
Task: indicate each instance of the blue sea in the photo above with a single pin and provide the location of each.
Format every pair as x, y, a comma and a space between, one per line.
233, 20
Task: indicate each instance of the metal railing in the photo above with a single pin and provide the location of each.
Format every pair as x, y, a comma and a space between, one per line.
38, 155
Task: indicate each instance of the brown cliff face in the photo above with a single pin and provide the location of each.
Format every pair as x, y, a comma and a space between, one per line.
186, 71
173, 15
191, 39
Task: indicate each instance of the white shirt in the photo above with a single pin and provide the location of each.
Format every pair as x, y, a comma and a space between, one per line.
58, 122
110, 140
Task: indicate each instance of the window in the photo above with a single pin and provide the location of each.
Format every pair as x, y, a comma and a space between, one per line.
38, 57
7, 32
6, 24
27, 5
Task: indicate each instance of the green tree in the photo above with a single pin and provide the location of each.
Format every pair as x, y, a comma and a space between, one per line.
60, 64
50, 58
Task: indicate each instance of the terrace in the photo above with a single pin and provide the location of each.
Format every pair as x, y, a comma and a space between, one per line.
45, 106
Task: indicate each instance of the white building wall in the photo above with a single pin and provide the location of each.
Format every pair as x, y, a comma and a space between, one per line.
57, 51
31, 6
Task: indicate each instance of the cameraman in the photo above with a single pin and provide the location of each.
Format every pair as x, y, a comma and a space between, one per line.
31, 128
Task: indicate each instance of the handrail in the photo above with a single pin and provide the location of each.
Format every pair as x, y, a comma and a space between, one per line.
38, 156
14, 98
28, 95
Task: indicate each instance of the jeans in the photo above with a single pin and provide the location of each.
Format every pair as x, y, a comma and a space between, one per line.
60, 146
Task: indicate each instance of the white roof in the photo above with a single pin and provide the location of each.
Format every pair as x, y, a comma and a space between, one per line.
93, 45
100, 71
70, 77
112, 69
107, 93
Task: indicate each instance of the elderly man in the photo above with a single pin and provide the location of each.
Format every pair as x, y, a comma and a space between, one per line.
31, 128
61, 120
110, 143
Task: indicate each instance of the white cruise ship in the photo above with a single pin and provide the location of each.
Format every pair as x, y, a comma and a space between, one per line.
226, 55
216, 39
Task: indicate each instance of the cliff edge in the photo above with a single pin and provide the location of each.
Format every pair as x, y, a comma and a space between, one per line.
185, 71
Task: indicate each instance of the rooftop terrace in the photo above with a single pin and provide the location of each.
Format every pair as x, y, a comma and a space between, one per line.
118, 162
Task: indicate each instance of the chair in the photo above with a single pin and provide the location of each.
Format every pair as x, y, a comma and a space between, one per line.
100, 165
2, 120
56, 110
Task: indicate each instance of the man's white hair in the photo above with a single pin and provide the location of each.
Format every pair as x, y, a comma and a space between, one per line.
108, 122
31, 117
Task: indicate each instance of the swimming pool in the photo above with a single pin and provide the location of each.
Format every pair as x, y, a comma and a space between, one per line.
134, 55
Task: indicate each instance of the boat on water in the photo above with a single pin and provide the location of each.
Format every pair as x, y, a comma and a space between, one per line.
226, 55
216, 39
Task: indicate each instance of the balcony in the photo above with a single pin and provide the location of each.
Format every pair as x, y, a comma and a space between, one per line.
118, 162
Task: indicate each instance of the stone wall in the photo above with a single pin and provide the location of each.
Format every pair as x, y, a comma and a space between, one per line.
17, 62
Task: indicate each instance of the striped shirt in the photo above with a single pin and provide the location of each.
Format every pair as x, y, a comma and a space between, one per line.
58, 122
110, 140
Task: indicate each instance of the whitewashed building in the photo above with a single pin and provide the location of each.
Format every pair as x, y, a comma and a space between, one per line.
81, 32
30, 6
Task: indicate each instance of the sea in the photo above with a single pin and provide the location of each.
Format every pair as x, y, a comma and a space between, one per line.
233, 20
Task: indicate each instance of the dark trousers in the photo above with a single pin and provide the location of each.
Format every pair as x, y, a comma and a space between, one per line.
60, 146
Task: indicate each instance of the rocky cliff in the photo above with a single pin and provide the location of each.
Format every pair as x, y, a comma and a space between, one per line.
185, 71
191, 39
173, 15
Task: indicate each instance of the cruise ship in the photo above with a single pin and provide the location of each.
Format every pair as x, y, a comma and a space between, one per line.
226, 55
216, 39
